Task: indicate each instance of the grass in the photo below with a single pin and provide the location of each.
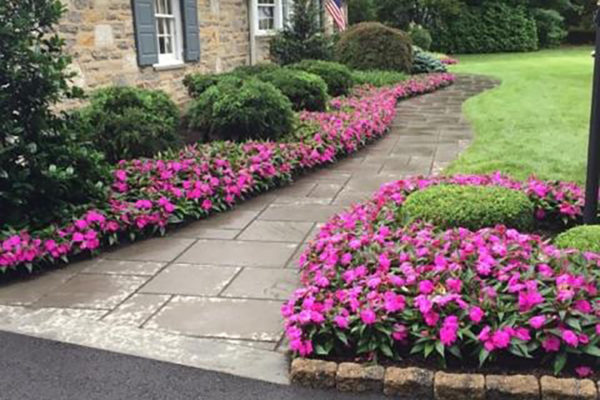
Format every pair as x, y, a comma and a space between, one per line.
537, 121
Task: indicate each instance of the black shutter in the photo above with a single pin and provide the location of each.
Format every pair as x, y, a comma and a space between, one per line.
145, 32
191, 38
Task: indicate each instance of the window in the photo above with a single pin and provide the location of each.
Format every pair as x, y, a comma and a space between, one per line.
168, 31
268, 16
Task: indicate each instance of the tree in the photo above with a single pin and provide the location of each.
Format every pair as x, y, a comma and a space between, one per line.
44, 168
302, 38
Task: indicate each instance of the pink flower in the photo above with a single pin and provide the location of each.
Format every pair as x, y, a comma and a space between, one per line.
537, 322
570, 338
529, 299
501, 339
583, 306
426, 287
583, 371
551, 344
400, 333
368, 316
476, 314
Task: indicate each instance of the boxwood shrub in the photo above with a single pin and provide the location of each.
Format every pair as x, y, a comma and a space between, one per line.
253, 70
372, 45
306, 91
338, 77
240, 109
584, 238
128, 122
472, 207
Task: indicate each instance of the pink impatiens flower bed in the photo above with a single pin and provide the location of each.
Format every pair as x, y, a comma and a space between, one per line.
148, 195
372, 287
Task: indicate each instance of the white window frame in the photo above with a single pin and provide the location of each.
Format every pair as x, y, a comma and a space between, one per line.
277, 16
176, 56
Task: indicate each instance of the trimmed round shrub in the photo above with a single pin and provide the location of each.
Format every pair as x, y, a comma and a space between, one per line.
306, 91
471, 207
425, 63
252, 70
128, 122
337, 76
420, 37
371, 45
196, 84
584, 238
240, 109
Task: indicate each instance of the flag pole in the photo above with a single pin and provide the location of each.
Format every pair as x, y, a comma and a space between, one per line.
590, 211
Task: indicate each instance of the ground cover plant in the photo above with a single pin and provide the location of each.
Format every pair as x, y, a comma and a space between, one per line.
374, 287
149, 194
536, 121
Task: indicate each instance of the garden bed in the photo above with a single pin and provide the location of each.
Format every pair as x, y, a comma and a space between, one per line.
149, 195
377, 289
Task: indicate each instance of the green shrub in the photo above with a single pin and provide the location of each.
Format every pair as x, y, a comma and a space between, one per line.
472, 207
46, 168
196, 84
253, 70
337, 76
129, 122
424, 62
240, 109
302, 37
306, 91
361, 11
378, 78
584, 238
550, 27
420, 37
490, 28
371, 45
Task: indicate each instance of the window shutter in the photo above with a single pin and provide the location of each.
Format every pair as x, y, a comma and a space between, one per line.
145, 32
285, 9
191, 38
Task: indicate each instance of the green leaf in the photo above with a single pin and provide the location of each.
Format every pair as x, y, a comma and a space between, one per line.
342, 336
574, 323
439, 347
592, 350
483, 355
559, 363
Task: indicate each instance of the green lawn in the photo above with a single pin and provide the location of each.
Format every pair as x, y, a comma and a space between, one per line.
536, 122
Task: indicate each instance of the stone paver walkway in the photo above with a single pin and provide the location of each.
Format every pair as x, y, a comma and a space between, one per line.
215, 287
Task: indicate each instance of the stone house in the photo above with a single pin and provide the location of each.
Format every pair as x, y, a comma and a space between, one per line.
155, 43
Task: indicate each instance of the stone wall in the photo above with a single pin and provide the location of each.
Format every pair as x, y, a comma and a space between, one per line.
100, 37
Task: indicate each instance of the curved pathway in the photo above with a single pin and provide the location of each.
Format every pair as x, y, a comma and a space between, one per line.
208, 295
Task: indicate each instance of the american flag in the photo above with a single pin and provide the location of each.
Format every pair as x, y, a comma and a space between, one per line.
334, 8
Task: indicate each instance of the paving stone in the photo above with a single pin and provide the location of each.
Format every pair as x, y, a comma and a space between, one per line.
567, 389
192, 280
277, 231
316, 374
369, 182
263, 283
348, 197
353, 377
233, 219
297, 189
303, 212
330, 176
198, 231
221, 318
302, 200
92, 291
30, 289
408, 383
156, 249
116, 267
512, 387
239, 253
137, 309
325, 190
459, 386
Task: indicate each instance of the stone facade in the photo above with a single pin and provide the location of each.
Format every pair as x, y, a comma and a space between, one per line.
100, 37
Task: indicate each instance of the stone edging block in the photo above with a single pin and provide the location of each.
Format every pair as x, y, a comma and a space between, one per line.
422, 384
